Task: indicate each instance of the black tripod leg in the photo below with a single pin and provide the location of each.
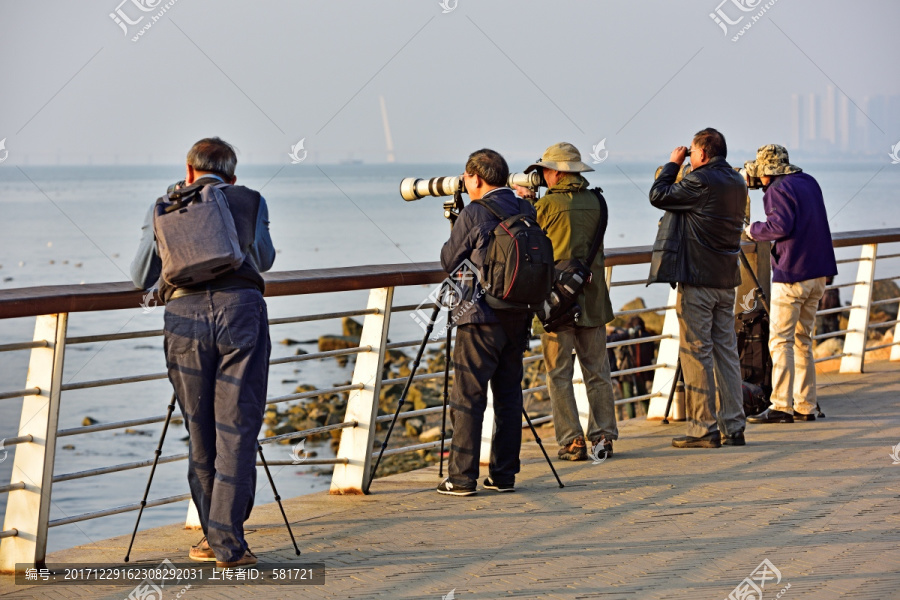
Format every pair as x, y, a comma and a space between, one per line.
672, 391
277, 497
159, 446
446, 396
538, 440
428, 330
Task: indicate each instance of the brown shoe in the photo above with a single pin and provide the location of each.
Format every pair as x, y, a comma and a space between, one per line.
576, 450
202, 552
247, 560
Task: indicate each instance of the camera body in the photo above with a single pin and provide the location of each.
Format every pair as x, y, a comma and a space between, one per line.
753, 182
178, 185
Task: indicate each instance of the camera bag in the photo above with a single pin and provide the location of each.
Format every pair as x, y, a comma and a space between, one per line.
571, 277
518, 271
195, 235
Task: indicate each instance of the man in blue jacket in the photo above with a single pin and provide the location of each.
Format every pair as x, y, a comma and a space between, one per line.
802, 258
216, 341
489, 344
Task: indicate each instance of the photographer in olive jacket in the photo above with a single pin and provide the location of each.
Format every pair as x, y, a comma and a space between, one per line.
571, 215
697, 248
216, 341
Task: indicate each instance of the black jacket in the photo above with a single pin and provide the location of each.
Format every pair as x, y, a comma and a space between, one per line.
468, 242
700, 235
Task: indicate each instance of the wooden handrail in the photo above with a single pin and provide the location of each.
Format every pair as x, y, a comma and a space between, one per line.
46, 300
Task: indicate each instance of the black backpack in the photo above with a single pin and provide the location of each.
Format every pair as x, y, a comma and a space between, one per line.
571, 277
753, 350
518, 271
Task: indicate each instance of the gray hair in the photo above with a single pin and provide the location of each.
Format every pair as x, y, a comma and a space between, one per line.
213, 155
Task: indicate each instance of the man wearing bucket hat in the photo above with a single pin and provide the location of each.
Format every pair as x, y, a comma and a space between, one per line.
571, 214
802, 258
697, 247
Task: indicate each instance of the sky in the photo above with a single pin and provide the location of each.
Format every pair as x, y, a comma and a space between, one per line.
641, 76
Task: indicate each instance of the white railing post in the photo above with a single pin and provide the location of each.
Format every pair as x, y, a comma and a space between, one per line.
895, 349
362, 406
664, 378
28, 509
857, 324
581, 397
487, 430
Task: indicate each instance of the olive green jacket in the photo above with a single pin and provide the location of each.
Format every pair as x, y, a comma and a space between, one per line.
570, 214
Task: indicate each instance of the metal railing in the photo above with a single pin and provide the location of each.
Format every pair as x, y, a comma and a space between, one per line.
27, 521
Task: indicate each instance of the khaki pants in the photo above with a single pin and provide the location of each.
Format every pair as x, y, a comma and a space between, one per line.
790, 344
589, 344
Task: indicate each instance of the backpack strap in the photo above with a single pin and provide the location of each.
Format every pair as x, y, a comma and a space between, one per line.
492, 207
601, 227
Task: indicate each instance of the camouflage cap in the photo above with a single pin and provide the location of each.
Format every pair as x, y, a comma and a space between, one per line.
560, 157
771, 159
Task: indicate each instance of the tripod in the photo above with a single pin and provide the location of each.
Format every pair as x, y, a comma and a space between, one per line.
157, 454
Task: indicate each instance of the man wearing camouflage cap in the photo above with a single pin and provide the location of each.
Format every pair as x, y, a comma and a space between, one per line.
571, 215
802, 258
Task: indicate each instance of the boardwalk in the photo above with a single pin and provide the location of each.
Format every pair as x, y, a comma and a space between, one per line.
820, 501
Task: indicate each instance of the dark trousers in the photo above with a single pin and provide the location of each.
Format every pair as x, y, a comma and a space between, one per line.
217, 353
487, 354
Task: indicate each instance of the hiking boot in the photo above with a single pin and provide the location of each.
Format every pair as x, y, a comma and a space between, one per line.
451, 489
247, 560
576, 450
498, 487
770, 415
601, 449
710, 440
202, 552
735, 439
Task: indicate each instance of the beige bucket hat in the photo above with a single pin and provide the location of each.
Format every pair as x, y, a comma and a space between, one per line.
560, 157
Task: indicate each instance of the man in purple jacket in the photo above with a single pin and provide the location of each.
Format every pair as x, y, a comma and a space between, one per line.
802, 258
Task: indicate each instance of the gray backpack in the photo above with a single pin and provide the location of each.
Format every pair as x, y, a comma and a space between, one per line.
195, 235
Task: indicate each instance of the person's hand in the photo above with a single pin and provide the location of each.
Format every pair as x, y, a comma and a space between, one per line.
678, 155
524, 192
747, 231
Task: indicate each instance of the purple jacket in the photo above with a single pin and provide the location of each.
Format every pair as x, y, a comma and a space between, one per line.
797, 224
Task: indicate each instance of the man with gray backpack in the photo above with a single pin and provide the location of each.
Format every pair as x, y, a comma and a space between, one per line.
206, 242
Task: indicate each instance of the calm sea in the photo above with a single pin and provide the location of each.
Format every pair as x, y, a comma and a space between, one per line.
73, 225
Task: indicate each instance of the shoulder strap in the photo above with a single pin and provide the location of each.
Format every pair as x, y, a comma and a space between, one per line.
601, 227
492, 206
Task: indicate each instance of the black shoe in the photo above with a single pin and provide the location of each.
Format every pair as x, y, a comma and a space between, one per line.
450, 489
802, 417
770, 415
707, 441
499, 487
735, 439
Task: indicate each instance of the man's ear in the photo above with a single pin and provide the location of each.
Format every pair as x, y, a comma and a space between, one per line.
190, 176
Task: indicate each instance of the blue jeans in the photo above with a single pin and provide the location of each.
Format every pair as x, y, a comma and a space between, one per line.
217, 352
